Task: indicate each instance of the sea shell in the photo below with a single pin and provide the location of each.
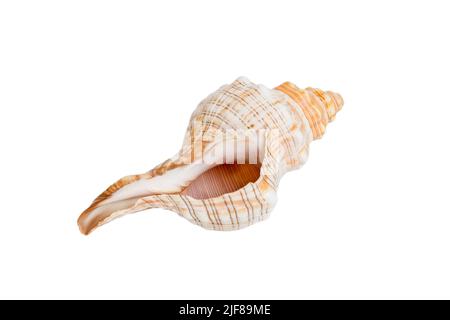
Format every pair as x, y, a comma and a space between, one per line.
240, 141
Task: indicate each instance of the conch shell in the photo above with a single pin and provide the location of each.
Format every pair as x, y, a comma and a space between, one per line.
240, 141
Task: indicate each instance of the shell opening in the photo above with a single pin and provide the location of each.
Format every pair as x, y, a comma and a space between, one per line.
222, 179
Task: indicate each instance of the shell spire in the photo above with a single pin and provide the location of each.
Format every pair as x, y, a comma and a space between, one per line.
320, 107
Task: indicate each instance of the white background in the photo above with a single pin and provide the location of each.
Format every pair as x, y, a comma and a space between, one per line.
91, 91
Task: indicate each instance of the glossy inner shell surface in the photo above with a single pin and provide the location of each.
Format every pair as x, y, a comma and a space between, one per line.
222, 179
